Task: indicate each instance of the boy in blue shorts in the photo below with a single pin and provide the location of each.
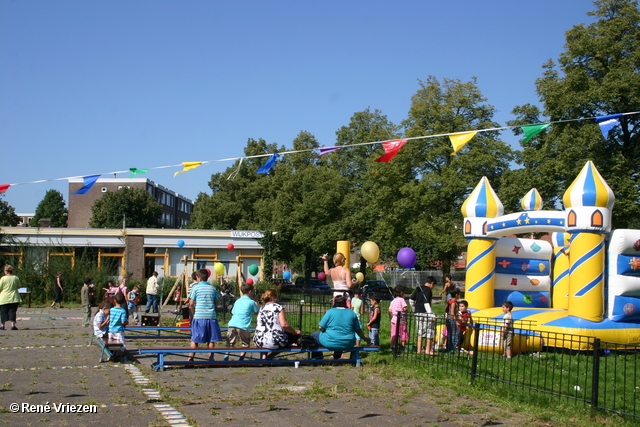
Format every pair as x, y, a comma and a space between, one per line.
242, 311
204, 325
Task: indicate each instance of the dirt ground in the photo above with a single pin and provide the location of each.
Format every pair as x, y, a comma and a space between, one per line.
49, 362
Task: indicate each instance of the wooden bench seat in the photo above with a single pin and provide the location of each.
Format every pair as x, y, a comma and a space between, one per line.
277, 357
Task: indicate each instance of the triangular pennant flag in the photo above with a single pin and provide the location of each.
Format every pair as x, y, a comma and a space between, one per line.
326, 150
268, 164
391, 148
88, 183
136, 171
4, 188
607, 123
188, 166
460, 139
532, 130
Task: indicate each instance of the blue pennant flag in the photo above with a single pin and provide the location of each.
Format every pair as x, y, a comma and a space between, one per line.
268, 164
88, 183
607, 123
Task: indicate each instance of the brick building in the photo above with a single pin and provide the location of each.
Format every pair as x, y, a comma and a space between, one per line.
176, 209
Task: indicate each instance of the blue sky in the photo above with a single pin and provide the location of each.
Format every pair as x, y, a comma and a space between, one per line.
93, 87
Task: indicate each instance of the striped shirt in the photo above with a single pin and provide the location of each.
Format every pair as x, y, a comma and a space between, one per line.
117, 315
204, 296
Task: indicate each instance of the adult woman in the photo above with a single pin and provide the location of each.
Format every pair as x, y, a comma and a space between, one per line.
448, 287
9, 297
57, 287
338, 328
272, 330
340, 275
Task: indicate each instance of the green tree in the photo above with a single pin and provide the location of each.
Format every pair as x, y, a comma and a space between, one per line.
52, 207
429, 208
8, 217
596, 75
134, 205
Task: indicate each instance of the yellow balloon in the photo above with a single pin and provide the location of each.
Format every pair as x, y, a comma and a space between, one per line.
370, 251
360, 276
219, 268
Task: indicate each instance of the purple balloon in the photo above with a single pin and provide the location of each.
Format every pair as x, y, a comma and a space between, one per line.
406, 257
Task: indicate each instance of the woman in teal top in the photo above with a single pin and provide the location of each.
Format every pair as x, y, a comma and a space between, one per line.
338, 328
9, 297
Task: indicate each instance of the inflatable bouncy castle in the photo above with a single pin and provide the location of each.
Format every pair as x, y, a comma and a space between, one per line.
585, 282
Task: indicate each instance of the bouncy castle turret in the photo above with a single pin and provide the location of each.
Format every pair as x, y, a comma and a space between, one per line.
588, 203
482, 203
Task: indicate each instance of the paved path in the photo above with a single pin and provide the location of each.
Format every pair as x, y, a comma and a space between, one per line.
48, 362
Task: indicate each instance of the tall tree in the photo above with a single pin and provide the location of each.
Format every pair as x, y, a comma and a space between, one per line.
133, 206
52, 207
596, 75
8, 217
431, 212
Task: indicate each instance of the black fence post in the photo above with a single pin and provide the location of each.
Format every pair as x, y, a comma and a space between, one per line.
399, 319
474, 357
300, 315
595, 375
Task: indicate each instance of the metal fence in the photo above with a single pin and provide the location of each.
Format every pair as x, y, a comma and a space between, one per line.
565, 367
412, 279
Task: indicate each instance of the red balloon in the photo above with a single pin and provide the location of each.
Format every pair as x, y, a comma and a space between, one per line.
322, 276
230, 246
249, 281
208, 273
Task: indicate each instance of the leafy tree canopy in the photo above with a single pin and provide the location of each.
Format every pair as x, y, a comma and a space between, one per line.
8, 217
52, 207
134, 205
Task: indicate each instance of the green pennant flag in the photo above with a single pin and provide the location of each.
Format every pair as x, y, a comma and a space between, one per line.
135, 171
532, 130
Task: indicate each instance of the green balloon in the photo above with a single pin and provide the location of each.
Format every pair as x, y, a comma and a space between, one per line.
253, 269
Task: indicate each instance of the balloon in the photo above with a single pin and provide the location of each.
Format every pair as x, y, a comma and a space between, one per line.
249, 281
253, 269
208, 273
181, 243
286, 275
230, 246
218, 267
322, 276
370, 251
406, 257
360, 276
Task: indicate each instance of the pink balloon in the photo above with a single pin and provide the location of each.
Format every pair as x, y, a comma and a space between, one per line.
249, 281
322, 276
230, 246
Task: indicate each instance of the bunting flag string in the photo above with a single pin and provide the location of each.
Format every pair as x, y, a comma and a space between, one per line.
188, 166
458, 140
391, 148
88, 183
135, 171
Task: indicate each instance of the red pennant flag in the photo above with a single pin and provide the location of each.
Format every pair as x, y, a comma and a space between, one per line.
391, 148
4, 187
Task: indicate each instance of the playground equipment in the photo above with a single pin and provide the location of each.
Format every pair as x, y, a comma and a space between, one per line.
585, 281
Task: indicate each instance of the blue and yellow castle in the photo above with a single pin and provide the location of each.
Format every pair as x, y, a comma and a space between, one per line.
586, 282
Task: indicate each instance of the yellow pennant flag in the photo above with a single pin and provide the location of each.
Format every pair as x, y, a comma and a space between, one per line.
460, 139
188, 166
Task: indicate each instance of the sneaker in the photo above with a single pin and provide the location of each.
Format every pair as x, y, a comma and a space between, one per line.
13, 328
226, 358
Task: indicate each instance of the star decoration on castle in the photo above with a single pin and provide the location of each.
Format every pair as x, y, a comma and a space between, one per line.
516, 249
634, 263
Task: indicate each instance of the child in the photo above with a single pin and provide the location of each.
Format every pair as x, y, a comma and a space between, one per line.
464, 323
84, 301
507, 328
101, 321
452, 315
133, 300
117, 320
204, 324
397, 306
242, 314
176, 298
358, 308
374, 320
